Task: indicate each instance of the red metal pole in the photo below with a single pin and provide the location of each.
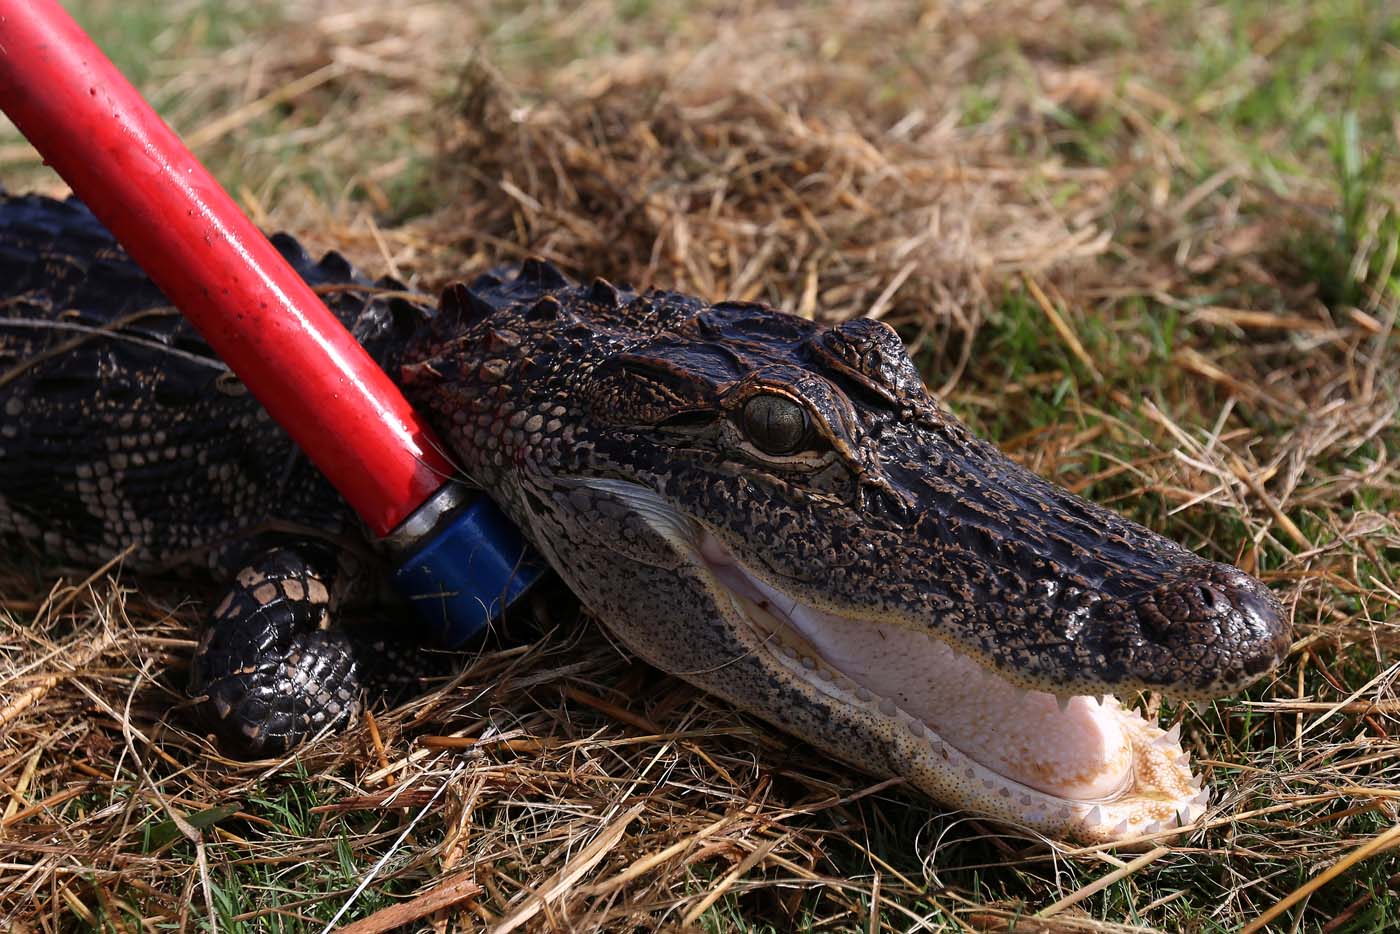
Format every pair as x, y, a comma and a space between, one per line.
93, 127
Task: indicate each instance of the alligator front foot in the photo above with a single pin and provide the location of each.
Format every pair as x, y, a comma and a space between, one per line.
271, 671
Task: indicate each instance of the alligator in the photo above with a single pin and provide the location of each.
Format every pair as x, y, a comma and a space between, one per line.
772, 509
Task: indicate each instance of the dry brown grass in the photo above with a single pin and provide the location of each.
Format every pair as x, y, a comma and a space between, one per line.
933, 164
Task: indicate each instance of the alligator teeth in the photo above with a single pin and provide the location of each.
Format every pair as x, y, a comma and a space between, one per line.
779, 636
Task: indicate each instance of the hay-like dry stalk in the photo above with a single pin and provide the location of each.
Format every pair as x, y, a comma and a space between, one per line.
910, 161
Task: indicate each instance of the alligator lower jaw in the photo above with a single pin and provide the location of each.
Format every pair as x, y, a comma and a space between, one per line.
1079, 767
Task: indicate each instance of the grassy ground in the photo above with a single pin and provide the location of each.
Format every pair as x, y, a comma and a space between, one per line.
1150, 248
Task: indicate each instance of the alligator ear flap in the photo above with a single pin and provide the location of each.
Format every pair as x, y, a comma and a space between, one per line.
637, 389
604, 294
460, 308
542, 274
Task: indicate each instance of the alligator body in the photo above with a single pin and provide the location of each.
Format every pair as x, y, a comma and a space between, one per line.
774, 510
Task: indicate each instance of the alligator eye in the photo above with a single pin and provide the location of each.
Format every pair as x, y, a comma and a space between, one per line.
775, 424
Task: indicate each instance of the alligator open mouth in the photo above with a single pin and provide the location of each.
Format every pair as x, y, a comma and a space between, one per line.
1080, 766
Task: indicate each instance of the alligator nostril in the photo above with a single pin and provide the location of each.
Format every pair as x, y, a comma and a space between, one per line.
1226, 609
1184, 609
1212, 600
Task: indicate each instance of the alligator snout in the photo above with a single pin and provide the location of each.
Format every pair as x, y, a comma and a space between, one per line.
1214, 628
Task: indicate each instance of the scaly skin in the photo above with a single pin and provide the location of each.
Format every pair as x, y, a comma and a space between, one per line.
779, 512
616, 430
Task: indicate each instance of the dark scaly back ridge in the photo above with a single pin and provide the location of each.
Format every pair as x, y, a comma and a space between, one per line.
119, 426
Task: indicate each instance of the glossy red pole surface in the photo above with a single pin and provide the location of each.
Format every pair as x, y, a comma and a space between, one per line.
131, 169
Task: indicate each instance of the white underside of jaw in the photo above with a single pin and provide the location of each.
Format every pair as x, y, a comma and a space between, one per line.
1076, 766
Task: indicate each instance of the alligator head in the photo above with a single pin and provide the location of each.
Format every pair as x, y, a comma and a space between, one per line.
780, 513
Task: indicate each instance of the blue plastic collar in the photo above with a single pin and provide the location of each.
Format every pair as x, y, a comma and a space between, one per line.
469, 573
